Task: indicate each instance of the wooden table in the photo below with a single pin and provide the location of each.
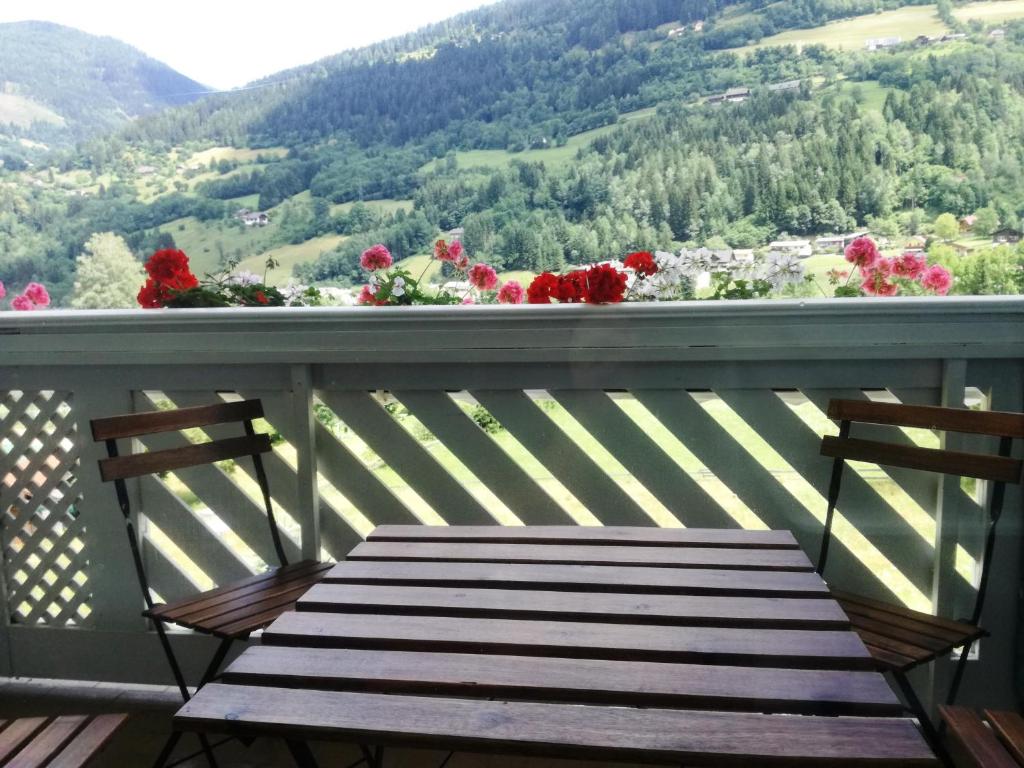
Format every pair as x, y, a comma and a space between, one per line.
700, 647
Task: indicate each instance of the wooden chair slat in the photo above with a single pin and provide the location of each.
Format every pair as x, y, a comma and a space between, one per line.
995, 468
48, 742
1009, 727
680, 610
977, 744
593, 681
560, 730
89, 741
17, 734
889, 660
863, 624
150, 422
902, 612
306, 571
581, 578
996, 423
806, 649
910, 650
591, 535
665, 557
136, 465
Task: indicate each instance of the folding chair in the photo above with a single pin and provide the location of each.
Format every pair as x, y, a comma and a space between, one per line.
900, 639
230, 612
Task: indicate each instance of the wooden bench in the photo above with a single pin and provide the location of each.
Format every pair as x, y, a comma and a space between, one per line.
997, 744
68, 741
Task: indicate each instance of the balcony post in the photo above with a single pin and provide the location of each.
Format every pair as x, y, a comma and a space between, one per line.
306, 465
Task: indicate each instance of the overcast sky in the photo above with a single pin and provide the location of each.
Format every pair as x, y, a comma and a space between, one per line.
227, 44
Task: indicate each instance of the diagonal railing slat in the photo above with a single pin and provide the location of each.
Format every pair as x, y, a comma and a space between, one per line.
415, 465
562, 457
483, 457
865, 509
642, 456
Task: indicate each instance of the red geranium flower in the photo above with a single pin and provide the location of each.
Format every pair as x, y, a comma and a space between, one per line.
261, 297
170, 267
542, 289
572, 288
641, 262
605, 284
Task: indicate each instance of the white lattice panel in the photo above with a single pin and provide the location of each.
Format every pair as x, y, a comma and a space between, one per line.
44, 560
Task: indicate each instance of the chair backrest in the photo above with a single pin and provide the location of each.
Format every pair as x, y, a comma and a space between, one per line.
999, 468
117, 468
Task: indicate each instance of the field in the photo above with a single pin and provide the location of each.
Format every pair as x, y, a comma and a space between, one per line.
553, 157
869, 93
236, 155
852, 34
377, 206
288, 256
206, 241
23, 112
907, 23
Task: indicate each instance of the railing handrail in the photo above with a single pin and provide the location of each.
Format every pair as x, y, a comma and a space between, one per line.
912, 327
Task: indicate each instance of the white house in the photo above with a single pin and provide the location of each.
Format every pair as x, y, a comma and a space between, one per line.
801, 248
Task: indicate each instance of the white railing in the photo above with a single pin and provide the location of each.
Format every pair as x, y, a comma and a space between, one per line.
700, 414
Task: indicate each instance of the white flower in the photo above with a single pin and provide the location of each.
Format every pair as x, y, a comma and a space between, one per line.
398, 287
245, 278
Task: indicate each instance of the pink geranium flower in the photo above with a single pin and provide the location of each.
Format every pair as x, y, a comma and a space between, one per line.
511, 293
3, 291
483, 277
442, 252
462, 263
937, 279
454, 251
910, 265
863, 252
875, 284
22, 303
376, 257
468, 300
37, 294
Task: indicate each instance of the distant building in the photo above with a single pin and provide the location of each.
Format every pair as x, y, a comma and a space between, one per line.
924, 40
837, 242
1007, 235
145, 170
953, 36
745, 255
882, 42
456, 234
801, 248
788, 85
698, 26
256, 219
967, 222
676, 32
737, 95
997, 34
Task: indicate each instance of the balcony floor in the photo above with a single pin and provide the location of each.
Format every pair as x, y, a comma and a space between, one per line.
152, 707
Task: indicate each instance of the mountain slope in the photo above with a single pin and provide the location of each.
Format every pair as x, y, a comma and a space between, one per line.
58, 84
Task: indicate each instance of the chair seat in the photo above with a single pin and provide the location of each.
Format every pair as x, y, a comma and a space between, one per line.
237, 609
899, 638
69, 741
980, 746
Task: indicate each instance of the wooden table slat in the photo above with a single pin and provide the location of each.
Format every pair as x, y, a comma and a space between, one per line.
810, 649
561, 730
582, 578
666, 557
680, 610
592, 535
596, 681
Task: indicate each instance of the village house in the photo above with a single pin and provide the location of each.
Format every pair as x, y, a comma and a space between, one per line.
967, 222
1006, 236
875, 43
800, 248
731, 96
253, 218
788, 85
829, 243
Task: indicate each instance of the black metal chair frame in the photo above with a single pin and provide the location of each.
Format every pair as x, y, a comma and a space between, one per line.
995, 509
250, 409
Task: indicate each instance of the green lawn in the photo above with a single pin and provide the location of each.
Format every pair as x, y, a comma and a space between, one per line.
852, 34
204, 241
907, 23
288, 256
553, 157
232, 153
377, 206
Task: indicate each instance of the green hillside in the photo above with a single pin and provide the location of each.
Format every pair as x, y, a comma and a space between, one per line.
60, 85
560, 132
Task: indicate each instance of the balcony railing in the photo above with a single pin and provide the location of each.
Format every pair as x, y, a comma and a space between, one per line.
698, 414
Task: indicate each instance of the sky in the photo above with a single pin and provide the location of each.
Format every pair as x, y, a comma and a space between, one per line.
227, 44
